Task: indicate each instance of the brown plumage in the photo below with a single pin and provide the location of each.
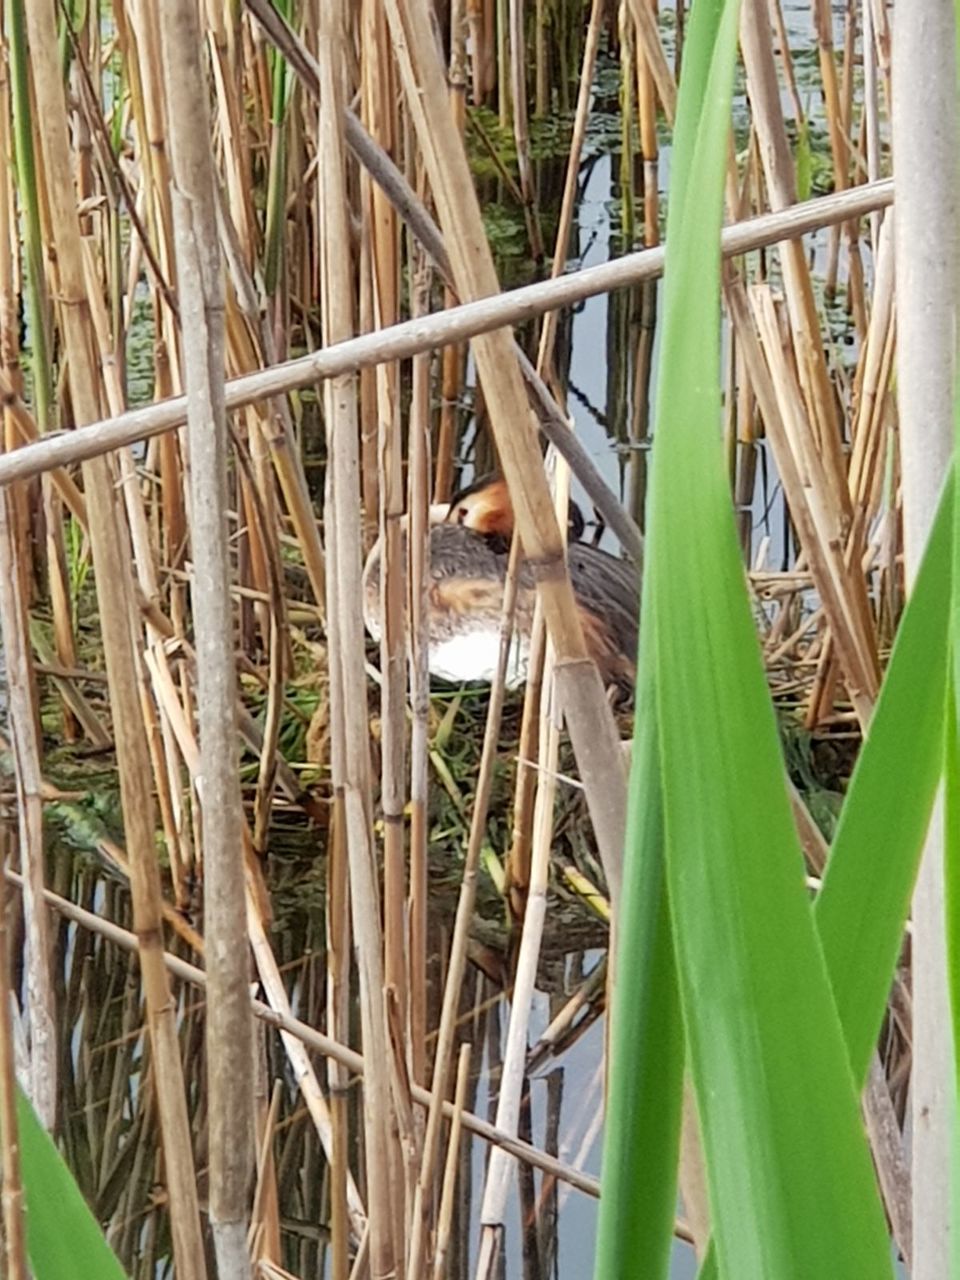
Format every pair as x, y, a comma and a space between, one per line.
469, 553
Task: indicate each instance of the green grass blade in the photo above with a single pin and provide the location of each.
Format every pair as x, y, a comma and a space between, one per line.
63, 1239
779, 1115
862, 907
642, 1127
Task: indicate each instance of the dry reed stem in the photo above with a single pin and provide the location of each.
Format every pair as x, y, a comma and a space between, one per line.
445, 1214
924, 134
269, 973
519, 855
570, 184
379, 97
23, 714
452, 358
338, 1022
11, 1188
229, 1025
115, 594
645, 20
756, 43
806, 487
648, 52
418, 473
345, 618
428, 332
265, 1210
317, 1042
518, 859
521, 126
500, 1168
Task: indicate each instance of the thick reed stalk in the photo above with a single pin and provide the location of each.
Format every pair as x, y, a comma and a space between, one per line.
338, 1016
924, 118
424, 334
871, 109
647, 111
229, 1026
344, 509
379, 102
418, 502
116, 597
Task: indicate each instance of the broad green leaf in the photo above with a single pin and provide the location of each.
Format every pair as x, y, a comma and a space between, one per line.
779, 1115
642, 1126
63, 1239
862, 906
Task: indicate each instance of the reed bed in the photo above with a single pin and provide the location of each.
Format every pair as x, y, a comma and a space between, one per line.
311, 958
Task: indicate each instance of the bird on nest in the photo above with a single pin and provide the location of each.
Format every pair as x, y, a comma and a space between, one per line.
469, 553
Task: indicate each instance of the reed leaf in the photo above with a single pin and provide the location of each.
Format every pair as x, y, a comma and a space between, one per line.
646, 1074
862, 906
63, 1239
778, 1111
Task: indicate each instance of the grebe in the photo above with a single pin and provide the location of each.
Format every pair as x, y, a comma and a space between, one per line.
469, 553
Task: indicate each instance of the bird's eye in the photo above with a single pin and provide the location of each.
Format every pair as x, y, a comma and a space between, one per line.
462, 514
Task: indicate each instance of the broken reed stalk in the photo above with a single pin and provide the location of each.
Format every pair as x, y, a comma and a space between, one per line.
229, 1024
13, 1242
345, 618
426, 333
116, 599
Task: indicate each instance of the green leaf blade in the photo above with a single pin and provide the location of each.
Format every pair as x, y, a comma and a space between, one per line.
64, 1240
779, 1114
